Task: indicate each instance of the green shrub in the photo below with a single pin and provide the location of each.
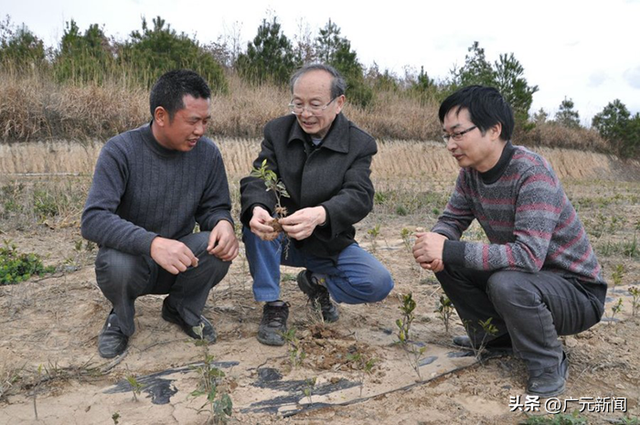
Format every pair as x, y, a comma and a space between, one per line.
16, 267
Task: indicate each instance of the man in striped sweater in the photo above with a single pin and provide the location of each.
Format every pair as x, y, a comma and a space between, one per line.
537, 277
150, 187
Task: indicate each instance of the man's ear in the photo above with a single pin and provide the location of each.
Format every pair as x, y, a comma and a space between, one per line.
340, 103
496, 130
161, 116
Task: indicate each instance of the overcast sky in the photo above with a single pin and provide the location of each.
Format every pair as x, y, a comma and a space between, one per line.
585, 50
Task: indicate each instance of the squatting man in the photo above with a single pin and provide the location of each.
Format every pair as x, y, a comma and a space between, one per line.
150, 188
538, 276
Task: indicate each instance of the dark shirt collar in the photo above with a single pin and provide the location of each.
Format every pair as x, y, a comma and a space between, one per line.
491, 176
337, 139
153, 144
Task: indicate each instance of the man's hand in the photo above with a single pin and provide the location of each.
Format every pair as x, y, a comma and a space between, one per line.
172, 255
301, 223
259, 224
427, 251
223, 242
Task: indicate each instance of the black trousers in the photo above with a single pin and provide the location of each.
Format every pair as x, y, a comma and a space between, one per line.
124, 277
533, 308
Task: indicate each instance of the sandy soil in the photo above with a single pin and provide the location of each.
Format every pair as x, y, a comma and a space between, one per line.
50, 371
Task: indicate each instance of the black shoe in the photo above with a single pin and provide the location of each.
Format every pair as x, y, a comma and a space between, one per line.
501, 344
318, 295
549, 382
274, 323
203, 330
111, 341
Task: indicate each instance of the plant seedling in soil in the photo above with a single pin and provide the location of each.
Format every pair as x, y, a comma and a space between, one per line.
374, 232
635, 302
405, 235
617, 275
136, 387
363, 364
296, 352
309, 384
220, 404
489, 329
404, 323
615, 309
445, 309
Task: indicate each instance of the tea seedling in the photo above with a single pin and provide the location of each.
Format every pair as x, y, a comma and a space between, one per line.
404, 323
445, 309
115, 418
635, 301
220, 404
363, 364
275, 185
309, 384
617, 275
405, 234
136, 387
488, 328
296, 352
374, 232
615, 309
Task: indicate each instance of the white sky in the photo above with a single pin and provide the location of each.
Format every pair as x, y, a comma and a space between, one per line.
584, 50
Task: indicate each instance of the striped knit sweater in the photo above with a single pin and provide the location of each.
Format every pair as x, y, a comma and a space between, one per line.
142, 190
527, 217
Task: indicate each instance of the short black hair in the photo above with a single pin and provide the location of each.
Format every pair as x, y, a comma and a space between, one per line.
338, 84
171, 88
486, 108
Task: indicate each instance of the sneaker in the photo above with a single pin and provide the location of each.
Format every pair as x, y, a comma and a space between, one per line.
111, 341
549, 382
318, 295
203, 330
274, 323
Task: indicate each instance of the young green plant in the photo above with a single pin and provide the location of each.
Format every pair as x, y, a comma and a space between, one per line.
635, 300
488, 328
296, 352
275, 185
445, 310
220, 404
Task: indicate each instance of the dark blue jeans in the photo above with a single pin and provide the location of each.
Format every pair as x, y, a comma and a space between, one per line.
357, 277
533, 308
124, 277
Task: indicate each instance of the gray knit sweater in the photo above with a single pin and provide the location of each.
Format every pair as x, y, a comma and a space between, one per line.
142, 190
527, 217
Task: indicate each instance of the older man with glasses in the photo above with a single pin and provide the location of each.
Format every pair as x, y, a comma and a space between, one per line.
537, 277
324, 161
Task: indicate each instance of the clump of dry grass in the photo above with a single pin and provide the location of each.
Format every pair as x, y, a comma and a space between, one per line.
554, 135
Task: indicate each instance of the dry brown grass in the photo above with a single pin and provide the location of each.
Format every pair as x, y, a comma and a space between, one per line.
35, 109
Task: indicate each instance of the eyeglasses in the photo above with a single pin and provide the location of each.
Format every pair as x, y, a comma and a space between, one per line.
457, 136
298, 108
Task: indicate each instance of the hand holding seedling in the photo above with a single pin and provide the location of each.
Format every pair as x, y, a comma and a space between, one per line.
427, 250
172, 255
223, 242
260, 224
302, 223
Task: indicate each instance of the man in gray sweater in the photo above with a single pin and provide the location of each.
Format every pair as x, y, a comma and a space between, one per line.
538, 276
151, 186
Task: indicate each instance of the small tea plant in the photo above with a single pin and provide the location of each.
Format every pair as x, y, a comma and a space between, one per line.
404, 323
296, 352
220, 404
489, 330
362, 363
617, 275
405, 235
374, 232
309, 384
445, 310
136, 387
635, 300
615, 309
275, 185
115, 418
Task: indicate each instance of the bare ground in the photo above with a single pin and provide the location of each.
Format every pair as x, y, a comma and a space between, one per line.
50, 370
